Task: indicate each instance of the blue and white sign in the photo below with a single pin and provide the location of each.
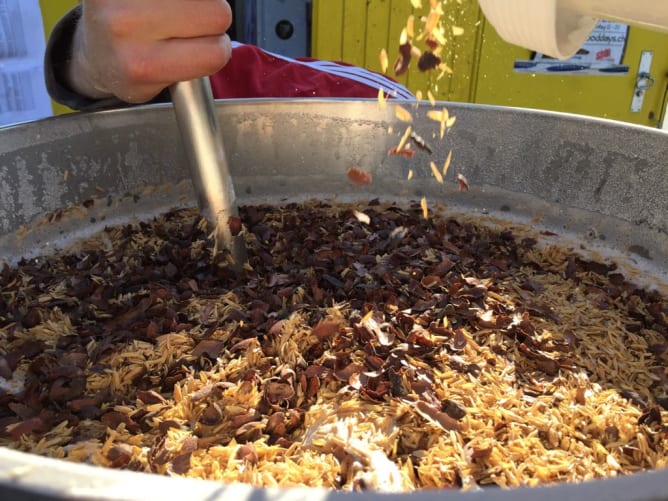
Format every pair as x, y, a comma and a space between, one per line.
602, 54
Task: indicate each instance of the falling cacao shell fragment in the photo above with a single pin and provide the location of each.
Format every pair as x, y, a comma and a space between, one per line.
403, 61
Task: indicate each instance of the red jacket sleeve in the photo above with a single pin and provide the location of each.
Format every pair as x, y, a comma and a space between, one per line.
253, 72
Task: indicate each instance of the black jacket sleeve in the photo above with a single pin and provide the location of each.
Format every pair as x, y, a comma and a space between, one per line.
56, 60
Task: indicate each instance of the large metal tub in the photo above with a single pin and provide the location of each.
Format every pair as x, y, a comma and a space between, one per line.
600, 185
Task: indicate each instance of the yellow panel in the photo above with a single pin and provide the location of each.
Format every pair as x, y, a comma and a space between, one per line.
52, 11
377, 32
399, 12
463, 54
482, 63
459, 53
601, 96
327, 37
354, 31
418, 80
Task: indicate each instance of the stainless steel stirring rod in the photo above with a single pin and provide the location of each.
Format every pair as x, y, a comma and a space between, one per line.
202, 140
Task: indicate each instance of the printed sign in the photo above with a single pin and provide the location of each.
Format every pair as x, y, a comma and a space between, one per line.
601, 54
23, 96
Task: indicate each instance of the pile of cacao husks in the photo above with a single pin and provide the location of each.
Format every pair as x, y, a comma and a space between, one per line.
362, 347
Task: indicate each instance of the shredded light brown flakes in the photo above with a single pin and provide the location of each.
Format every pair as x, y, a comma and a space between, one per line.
446, 164
384, 61
403, 114
404, 138
425, 207
436, 172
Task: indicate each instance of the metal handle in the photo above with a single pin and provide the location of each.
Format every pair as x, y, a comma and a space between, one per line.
644, 82
202, 140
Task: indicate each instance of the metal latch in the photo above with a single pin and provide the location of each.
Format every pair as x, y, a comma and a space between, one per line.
644, 81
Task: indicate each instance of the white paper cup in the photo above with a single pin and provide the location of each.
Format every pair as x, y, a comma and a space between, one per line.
540, 25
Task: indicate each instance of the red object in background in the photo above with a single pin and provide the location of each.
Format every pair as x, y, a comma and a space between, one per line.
604, 54
255, 73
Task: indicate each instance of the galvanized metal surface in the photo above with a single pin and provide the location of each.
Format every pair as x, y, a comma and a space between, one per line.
198, 123
60, 480
603, 180
600, 185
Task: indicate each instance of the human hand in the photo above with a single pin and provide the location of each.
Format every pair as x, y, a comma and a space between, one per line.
133, 49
